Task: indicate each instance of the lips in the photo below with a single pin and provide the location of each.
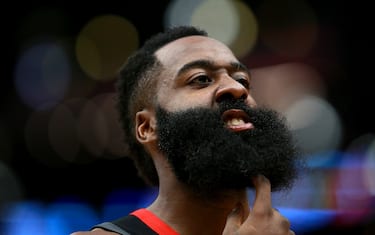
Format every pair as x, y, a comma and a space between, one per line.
237, 120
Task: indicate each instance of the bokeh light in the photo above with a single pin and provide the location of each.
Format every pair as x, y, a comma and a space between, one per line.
248, 30
57, 218
42, 74
179, 12
281, 85
92, 127
231, 22
123, 201
315, 124
62, 132
76, 131
15, 222
369, 171
353, 199
103, 45
115, 146
66, 217
215, 16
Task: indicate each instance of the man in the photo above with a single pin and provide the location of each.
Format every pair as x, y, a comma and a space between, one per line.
195, 131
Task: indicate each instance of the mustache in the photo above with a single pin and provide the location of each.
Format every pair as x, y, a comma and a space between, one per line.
227, 104
259, 116
264, 119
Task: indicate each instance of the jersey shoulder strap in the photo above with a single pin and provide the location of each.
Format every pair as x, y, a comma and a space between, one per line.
127, 225
111, 227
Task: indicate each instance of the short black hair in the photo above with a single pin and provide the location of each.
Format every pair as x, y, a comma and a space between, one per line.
136, 89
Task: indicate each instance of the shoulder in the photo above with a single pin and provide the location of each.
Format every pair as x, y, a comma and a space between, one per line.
96, 231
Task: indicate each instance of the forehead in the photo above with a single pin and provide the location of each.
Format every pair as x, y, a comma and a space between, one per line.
184, 50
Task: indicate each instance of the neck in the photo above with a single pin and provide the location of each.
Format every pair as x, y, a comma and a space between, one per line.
189, 213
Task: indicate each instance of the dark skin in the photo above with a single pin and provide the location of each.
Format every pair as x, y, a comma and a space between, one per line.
183, 87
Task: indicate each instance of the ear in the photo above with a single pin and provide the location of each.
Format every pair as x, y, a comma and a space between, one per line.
145, 124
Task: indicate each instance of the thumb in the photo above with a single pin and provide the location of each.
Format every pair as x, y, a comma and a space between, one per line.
234, 220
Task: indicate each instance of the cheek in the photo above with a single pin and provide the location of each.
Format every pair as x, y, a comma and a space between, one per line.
180, 101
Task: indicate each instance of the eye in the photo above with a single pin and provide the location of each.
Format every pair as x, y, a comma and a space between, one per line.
244, 81
201, 80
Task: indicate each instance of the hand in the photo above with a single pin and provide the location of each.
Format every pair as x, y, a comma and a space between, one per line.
262, 219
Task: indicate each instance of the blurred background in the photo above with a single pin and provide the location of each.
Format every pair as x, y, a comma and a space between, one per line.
62, 164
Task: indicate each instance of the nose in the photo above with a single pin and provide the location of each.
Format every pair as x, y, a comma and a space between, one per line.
232, 89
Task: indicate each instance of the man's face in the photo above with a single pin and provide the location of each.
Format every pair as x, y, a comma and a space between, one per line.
208, 125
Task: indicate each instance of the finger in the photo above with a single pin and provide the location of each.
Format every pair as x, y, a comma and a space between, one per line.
262, 201
234, 220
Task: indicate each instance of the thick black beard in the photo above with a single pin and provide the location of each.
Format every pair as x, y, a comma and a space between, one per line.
209, 158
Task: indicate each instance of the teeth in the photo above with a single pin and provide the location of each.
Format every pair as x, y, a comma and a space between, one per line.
235, 122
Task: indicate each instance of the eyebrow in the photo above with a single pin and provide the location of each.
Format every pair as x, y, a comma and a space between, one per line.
209, 64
